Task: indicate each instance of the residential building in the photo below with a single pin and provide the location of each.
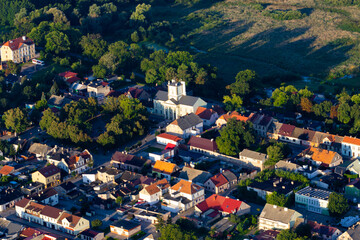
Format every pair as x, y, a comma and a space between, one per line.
354, 167
65, 188
223, 119
48, 196
175, 103
125, 228
196, 176
39, 150
217, 184
279, 185
325, 232
69, 77
18, 50
9, 197
328, 141
352, 190
89, 177
203, 145
253, 159
350, 147
230, 176
223, 205
6, 170
261, 123
9, 230
277, 218
164, 169
352, 233
302, 136
312, 199
98, 90
323, 157
208, 115
50, 217
49, 176
285, 133
186, 126
108, 174
287, 166
166, 138
58, 102
153, 193
138, 93
32, 188
128, 162
90, 234
182, 196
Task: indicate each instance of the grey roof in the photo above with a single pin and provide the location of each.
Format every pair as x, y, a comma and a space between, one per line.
161, 95
58, 100
194, 175
9, 195
188, 121
254, 155
9, 227
314, 193
188, 100
110, 171
286, 165
38, 148
229, 175
355, 165
128, 225
276, 213
354, 232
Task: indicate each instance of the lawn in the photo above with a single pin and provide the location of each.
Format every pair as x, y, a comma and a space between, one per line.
53, 68
152, 150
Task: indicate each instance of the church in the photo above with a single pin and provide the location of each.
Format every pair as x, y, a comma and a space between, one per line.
175, 103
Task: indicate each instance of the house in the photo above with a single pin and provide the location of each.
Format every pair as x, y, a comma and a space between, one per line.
153, 193
9, 197
49, 176
354, 167
18, 50
196, 176
313, 200
98, 90
208, 115
274, 217
323, 157
182, 196
89, 177
39, 150
9, 230
166, 138
186, 126
50, 217
328, 141
65, 188
310, 172
267, 235
223, 119
108, 174
279, 185
48, 196
128, 162
324, 231
164, 169
352, 190
69, 77
352, 233
90, 234
6, 170
138, 93
261, 123
253, 159
217, 184
287, 166
222, 205
230, 176
350, 147
167, 153
285, 133
330, 181
125, 228
58, 101
302, 136
32, 188
203, 145
175, 103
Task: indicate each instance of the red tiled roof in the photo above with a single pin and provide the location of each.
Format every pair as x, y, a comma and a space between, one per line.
351, 140
22, 203
68, 74
73, 79
286, 130
29, 232
203, 143
170, 146
135, 92
204, 113
219, 180
220, 203
6, 170
169, 136
322, 229
18, 42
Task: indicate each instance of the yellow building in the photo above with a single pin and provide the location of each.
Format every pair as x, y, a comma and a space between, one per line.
49, 176
18, 50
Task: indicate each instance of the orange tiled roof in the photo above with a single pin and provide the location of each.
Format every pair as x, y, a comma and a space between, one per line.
204, 113
155, 187
6, 170
235, 115
18, 42
322, 155
186, 187
351, 140
164, 167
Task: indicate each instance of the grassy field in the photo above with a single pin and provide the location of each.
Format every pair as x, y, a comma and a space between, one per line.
234, 35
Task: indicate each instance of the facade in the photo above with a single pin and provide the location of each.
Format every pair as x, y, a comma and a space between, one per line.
18, 50
154, 192
217, 184
166, 138
261, 123
90, 234
314, 200
125, 228
49, 176
175, 103
48, 196
108, 174
252, 158
208, 115
274, 217
203, 145
186, 126
9, 197
350, 147
50, 217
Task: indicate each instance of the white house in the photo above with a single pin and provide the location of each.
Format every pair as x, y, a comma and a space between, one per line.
175, 103
186, 126
153, 193
350, 147
278, 218
312, 199
166, 138
208, 115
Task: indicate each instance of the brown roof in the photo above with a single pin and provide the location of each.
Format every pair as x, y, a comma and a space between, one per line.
49, 171
303, 134
170, 137
6, 170
73, 219
286, 130
51, 212
155, 187
22, 203
219, 180
205, 113
235, 115
203, 143
18, 42
186, 187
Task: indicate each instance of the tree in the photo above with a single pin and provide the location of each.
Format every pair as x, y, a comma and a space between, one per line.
96, 223
57, 42
16, 120
338, 204
244, 81
174, 232
288, 235
99, 71
232, 102
305, 93
275, 154
54, 90
93, 45
106, 140
140, 14
47, 119
13, 67
276, 199
119, 200
135, 37
306, 105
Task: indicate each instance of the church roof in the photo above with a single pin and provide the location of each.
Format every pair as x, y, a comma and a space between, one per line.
184, 100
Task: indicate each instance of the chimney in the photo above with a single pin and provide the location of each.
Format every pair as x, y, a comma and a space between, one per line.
24, 38
212, 139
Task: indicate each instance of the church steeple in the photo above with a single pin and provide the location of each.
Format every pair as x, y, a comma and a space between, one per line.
176, 90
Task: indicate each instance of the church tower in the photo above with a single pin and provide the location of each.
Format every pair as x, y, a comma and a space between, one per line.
176, 90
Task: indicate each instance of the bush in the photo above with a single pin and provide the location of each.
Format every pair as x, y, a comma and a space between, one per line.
284, 15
